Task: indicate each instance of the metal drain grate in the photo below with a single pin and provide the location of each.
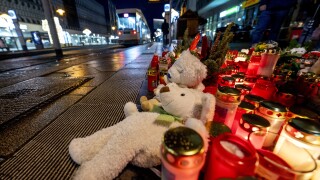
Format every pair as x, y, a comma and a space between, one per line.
47, 155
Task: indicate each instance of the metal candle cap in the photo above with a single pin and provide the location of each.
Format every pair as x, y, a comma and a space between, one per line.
228, 94
183, 141
253, 122
305, 130
183, 148
253, 99
273, 109
301, 112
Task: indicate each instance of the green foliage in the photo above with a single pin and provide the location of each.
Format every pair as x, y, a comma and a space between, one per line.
218, 52
293, 44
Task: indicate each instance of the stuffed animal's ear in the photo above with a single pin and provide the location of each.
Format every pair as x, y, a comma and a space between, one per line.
208, 107
201, 71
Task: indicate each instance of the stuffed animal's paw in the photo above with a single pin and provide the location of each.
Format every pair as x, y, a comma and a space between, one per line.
147, 105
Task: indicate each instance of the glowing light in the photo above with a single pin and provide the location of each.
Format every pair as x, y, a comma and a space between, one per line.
60, 11
126, 15
86, 32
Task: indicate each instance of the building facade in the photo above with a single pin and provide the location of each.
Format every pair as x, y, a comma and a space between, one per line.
79, 15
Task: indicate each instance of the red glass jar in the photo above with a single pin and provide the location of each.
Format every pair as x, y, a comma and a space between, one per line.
253, 65
215, 129
244, 90
265, 88
243, 108
238, 78
225, 163
243, 66
249, 80
285, 98
255, 100
227, 81
253, 123
227, 101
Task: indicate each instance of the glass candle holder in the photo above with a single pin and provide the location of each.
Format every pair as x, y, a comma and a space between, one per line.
231, 157
182, 154
243, 108
299, 145
227, 101
250, 123
253, 65
276, 114
249, 80
264, 87
244, 90
227, 81
267, 64
243, 66
215, 129
301, 112
238, 78
272, 166
253, 99
285, 98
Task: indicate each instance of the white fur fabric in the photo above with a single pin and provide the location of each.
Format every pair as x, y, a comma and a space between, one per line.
105, 154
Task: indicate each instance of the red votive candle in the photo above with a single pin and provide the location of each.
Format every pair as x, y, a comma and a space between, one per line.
231, 157
227, 81
244, 90
253, 65
243, 108
272, 166
253, 123
264, 87
249, 80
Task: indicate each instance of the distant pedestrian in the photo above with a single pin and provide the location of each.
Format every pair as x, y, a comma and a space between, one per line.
165, 31
273, 14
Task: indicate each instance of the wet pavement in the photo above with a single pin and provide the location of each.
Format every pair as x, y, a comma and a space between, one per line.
90, 92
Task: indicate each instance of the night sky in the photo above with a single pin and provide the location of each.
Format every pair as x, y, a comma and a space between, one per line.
150, 10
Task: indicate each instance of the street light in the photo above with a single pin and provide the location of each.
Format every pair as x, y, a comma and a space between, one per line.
61, 13
87, 32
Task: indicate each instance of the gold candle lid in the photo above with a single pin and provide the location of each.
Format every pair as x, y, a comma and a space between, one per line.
253, 99
253, 122
228, 94
183, 141
305, 130
273, 109
246, 106
301, 112
182, 147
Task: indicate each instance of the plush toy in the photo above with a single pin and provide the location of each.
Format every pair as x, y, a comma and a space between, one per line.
187, 71
148, 104
137, 139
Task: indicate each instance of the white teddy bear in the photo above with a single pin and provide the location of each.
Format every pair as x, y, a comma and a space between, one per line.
137, 139
187, 71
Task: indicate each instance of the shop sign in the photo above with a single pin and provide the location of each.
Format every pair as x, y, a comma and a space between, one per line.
230, 11
167, 8
248, 3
